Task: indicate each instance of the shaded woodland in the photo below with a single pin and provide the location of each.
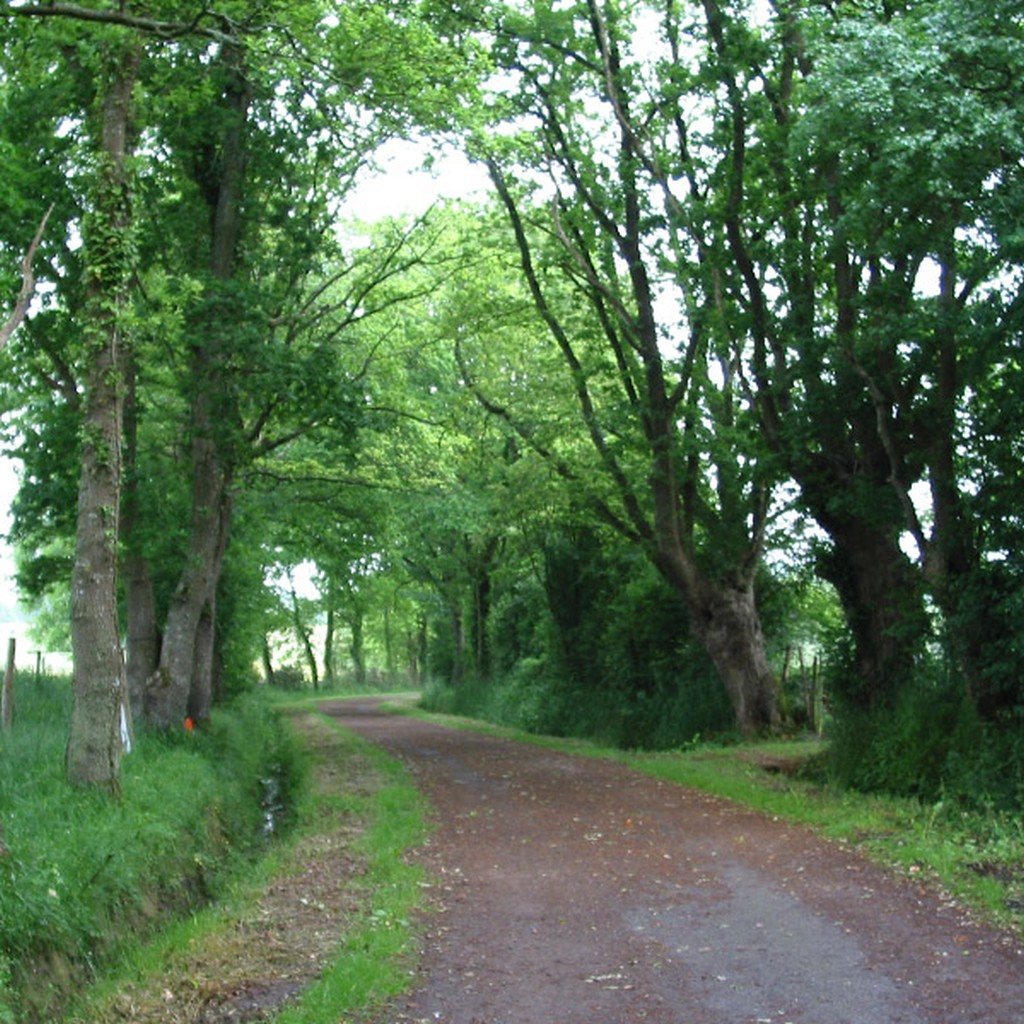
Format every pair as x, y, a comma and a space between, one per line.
703, 416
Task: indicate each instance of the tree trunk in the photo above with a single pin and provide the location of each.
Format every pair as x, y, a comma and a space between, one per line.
723, 611
201, 692
329, 677
881, 601
727, 623
303, 635
357, 648
458, 641
390, 662
143, 635
185, 663
416, 646
269, 676
480, 569
849, 494
168, 692
99, 717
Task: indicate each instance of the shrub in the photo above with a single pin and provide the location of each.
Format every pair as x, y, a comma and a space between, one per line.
932, 744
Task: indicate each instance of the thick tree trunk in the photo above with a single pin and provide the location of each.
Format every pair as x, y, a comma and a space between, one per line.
185, 663
186, 674
850, 496
882, 603
99, 720
667, 534
723, 612
201, 692
727, 623
963, 586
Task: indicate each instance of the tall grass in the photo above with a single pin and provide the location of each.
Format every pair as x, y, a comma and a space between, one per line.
83, 870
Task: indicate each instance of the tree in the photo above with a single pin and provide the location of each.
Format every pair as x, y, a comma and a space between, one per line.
932, 203
863, 264
100, 721
100, 718
279, 290
700, 512
256, 124
797, 226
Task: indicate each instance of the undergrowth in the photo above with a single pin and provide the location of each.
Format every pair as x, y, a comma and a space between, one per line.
81, 870
535, 698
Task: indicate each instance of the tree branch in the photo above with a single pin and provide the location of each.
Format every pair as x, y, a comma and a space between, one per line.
883, 419
635, 529
153, 26
28, 284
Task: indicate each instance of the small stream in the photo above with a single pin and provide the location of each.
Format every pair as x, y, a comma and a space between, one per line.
272, 802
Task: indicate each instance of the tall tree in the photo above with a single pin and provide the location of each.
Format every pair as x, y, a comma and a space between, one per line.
931, 205
280, 291
699, 508
100, 718
103, 77
863, 264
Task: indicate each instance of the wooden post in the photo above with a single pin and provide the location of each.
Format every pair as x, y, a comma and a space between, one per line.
7, 697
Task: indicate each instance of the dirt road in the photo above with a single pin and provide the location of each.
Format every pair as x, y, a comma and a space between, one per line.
574, 891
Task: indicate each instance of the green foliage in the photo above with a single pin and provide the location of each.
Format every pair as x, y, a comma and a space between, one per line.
932, 744
82, 868
599, 650
754, 173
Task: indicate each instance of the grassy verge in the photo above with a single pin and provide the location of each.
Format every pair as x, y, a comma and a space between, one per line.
375, 957
975, 858
319, 929
82, 874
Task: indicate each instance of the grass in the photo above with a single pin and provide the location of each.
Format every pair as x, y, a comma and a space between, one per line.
375, 958
355, 820
83, 871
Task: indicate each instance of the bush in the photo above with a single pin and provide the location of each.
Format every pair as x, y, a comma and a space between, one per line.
931, 744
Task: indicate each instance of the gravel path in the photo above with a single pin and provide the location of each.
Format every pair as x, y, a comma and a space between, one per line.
575, 891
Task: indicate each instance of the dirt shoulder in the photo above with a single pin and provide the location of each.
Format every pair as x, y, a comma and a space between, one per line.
262, 954
576, 890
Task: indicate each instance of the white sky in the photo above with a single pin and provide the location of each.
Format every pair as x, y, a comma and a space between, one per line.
403, 186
